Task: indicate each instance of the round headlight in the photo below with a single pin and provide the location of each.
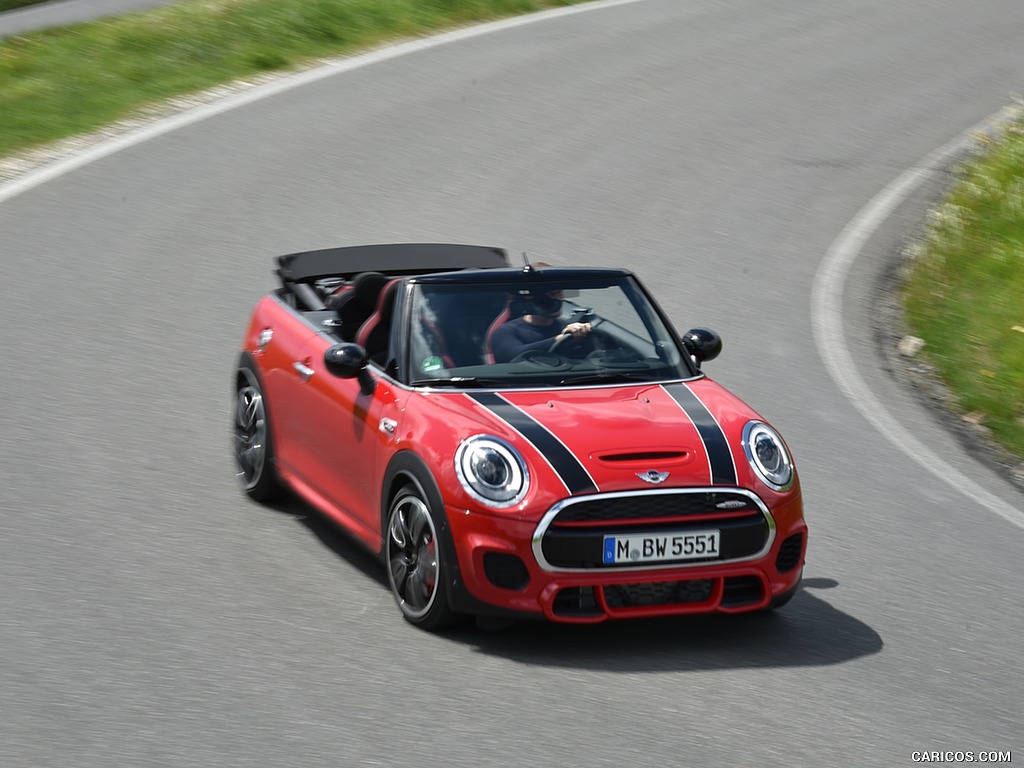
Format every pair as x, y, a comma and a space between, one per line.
491, 471
768, 456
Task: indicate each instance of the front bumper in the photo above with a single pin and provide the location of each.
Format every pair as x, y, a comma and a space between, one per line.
503, 567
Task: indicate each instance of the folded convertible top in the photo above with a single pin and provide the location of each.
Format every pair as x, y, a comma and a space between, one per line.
389, 258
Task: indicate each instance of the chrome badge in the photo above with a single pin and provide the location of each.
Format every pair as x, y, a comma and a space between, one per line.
731, 504
653, 476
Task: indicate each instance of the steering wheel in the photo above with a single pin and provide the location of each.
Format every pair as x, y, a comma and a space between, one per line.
559, 339
563, 337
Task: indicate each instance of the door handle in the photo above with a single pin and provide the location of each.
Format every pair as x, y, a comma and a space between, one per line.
304, 371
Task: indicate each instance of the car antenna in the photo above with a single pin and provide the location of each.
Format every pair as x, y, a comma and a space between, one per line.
527, 266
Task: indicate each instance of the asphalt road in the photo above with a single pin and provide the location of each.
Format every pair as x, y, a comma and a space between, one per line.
63, 12
151, 616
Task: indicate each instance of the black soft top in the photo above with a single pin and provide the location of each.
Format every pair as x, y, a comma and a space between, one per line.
394, 259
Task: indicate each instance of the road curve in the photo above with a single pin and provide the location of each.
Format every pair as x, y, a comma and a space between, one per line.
152, 617
59, 13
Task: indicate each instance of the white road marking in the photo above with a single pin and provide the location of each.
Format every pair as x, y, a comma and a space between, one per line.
827, 321
338, 66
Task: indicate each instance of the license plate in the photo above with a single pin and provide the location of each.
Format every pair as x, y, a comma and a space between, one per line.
658, 547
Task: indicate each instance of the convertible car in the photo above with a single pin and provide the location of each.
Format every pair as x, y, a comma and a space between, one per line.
520, 441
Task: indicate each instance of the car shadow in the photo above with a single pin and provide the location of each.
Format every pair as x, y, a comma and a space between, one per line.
333, 537
807, 632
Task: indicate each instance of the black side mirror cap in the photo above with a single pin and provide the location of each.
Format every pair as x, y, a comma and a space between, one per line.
348, 361
703, 344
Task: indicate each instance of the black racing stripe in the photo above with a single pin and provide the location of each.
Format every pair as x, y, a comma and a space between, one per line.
561, 458
723, 471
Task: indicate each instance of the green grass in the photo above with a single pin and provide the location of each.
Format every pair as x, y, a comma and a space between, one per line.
62, 82
965, 297
10, 5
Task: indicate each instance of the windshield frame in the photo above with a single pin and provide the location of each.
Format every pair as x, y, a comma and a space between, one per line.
673, 361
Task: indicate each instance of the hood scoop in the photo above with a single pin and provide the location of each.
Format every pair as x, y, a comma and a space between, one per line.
646, 458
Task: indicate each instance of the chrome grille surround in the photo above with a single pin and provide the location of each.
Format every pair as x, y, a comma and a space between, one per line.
552, 513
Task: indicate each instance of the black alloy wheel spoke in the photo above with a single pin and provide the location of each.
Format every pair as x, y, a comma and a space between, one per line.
416, 592
399, 572
416, 527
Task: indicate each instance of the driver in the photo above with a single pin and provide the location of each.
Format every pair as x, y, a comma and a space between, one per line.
536, 330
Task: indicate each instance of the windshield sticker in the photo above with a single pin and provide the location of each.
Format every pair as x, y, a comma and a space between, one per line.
431, 364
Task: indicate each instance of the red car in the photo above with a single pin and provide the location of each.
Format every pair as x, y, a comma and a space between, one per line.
520, 441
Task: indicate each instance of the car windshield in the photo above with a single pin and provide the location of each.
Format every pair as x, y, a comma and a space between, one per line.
541, 333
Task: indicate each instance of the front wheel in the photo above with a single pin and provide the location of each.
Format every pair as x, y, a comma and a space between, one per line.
417, 571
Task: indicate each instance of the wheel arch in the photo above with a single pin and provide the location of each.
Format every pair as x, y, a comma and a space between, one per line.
245, 360
404, 468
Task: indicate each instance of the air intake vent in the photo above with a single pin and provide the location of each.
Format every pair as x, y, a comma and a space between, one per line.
506, 571
644, 456
742, 590
789, 553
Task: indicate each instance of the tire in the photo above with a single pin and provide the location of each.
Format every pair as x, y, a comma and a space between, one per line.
252, 442
417, 571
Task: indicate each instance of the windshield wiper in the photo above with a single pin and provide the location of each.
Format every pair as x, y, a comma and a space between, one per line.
457, 381
604, 378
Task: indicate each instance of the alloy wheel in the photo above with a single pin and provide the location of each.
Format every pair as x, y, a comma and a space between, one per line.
414, 566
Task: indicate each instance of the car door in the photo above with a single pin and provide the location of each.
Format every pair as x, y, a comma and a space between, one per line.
345, 430
282, 338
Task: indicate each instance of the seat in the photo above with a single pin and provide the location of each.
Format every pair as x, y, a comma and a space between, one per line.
355, 306
434, 340
373, 333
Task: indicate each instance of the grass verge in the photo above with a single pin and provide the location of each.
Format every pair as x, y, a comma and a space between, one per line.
965, 294
62, 82
10, 5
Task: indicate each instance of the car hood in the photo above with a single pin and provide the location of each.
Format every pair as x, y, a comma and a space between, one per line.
606, 439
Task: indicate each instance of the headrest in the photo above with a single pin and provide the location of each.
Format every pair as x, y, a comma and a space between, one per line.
367, 287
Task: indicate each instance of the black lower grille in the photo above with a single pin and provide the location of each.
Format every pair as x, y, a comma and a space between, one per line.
789, 553
576, 601
742, 590
658, 593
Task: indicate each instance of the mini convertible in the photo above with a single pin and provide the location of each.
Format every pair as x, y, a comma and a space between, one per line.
514, 441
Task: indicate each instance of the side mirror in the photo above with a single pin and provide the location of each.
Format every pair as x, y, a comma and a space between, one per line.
703, 344
348, 361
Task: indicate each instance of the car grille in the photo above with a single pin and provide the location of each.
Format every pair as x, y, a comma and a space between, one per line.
659, 506
736, 592
574, 537
658, 593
